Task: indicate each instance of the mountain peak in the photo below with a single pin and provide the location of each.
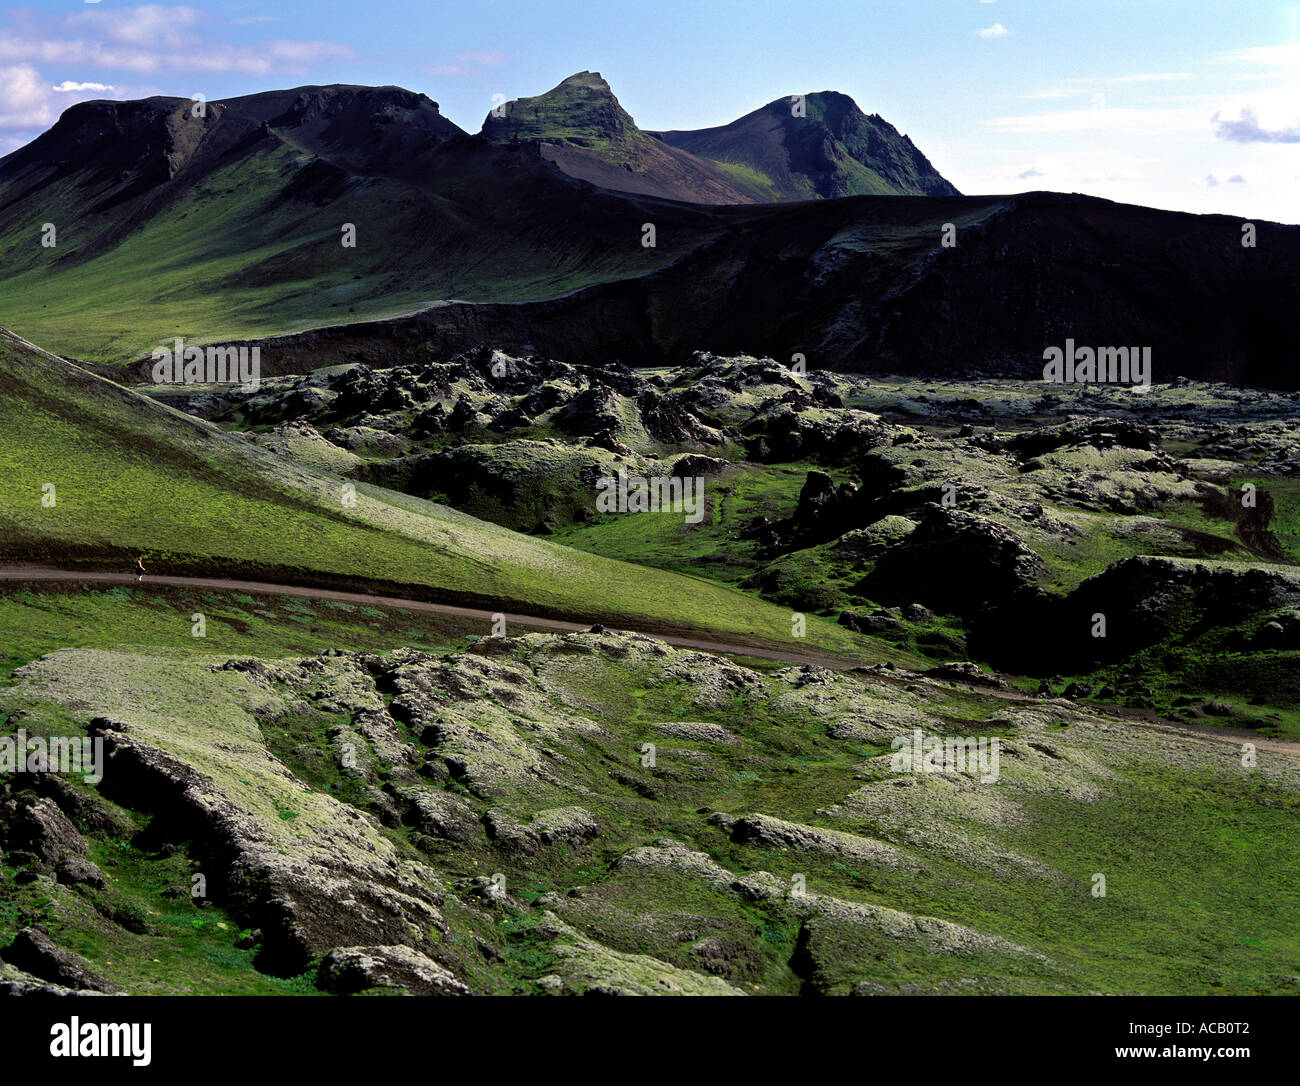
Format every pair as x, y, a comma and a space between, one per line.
580, 111
581, 128
590, 79
827, 149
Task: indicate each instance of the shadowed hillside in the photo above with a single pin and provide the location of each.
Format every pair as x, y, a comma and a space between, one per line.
234, 225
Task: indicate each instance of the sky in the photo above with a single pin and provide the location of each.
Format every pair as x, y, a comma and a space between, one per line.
1190, 105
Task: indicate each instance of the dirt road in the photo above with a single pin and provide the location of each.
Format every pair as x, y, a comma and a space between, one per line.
1235, 736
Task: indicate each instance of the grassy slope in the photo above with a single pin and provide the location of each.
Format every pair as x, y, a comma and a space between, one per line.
132, 476
201, 266
716, 547
158, 619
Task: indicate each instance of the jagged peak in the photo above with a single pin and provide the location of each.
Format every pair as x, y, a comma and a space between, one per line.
577, 108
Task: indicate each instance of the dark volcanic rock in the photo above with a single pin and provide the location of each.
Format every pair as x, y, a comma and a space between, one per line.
41, 828
693, 465
1146, 598
966, 672
572, 827
1099, 433
34, 952
954, 561
869, 624
1143, 600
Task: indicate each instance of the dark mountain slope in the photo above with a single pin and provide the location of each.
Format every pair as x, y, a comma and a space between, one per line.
862, 284
228, 226
231, 224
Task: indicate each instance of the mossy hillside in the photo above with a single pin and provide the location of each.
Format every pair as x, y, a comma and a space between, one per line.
1125, 511
1100, 504
132, 477
183, 947
1285, 525
778, 743
1026, 400
750, 178
312, 450
580, 111
1077, 509
1248, 683
523, 483
205, 717
716, 547
1194, 868
145, 927
811, 748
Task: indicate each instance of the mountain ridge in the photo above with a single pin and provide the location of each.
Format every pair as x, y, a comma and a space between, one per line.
581, 127
834, 149
232, 225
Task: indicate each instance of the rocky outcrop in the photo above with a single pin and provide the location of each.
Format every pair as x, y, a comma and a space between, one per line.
571, 827
352, 969
33, 952
954, 562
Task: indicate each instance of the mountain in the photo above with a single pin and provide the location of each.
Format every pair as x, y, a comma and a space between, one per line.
862, 284
827, 149
580, 126
833, 149
228, 227
231, 224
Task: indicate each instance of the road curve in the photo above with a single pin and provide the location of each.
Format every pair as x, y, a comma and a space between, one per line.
1235, 736
486, 617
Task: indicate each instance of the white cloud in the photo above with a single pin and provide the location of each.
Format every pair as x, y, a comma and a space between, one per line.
152, 38
1271, 56
1122, 121
24, 98
30, 103
1068, 88
1247, 129
468, 63
997, 30
149, 25
1149, 77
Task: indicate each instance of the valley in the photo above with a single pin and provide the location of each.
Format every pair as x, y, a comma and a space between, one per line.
517, 562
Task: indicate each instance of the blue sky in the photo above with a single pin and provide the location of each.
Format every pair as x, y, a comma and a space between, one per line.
1185, 104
